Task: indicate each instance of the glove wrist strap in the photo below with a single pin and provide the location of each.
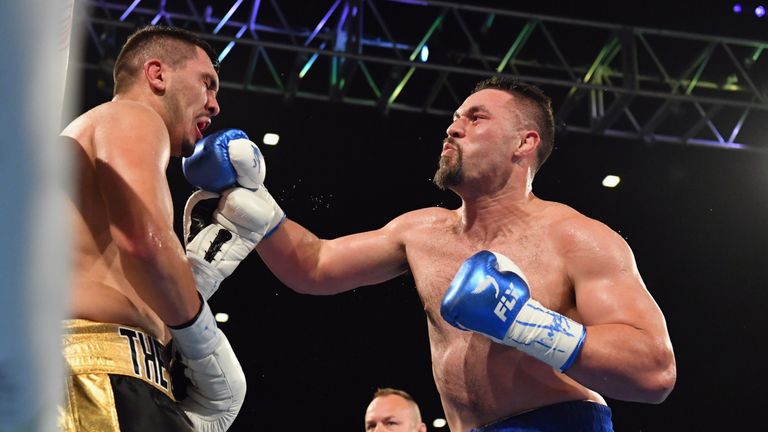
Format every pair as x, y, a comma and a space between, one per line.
546, 335
198, 338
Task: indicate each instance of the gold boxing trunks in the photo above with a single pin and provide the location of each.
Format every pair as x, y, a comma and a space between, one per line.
98, 357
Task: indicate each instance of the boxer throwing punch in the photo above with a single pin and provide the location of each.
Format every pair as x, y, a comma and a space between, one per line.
535, 311
133, 289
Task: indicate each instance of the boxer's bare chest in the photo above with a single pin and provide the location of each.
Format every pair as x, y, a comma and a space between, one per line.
476, 378
435, 255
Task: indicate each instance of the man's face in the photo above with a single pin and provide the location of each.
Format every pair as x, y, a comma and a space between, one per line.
192, 102
480, 135
392, 413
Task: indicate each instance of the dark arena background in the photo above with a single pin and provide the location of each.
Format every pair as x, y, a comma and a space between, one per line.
671, 96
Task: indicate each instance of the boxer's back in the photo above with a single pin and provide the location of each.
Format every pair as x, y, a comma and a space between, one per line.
101, 289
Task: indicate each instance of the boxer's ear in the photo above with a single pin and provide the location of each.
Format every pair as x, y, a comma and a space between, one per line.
529, 142
155, 74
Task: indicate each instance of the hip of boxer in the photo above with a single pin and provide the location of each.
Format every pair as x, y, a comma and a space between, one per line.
573, 416
117, 377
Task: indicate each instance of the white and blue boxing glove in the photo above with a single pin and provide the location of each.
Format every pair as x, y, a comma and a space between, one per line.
220, 231
234, 211
227, 159
223, 160
490, 295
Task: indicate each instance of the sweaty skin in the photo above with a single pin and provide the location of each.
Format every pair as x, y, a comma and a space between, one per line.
575, 265
129, 266
480, 381
109, 211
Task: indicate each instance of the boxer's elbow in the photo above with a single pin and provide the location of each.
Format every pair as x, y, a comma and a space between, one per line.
143, 246
659, 382
666, 382
308, 289
132, 245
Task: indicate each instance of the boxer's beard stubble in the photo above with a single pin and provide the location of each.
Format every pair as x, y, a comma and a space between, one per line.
449, 172
175, 113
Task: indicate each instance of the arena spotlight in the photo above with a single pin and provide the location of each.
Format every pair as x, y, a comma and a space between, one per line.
760, 11
424, 55
737, 8
611, 181
221, 317
271, 138
439, 423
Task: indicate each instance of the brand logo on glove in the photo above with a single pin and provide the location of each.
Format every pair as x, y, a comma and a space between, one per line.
504, 304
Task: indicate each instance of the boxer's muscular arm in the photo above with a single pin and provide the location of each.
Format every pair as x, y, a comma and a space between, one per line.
627, 353
296, 256
131, 155
312, 265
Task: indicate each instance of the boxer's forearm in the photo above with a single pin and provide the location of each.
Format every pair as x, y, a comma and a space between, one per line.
310, 265
157, 269
626, 363
292, 253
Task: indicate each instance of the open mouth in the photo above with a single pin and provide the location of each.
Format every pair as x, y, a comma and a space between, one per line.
202, 125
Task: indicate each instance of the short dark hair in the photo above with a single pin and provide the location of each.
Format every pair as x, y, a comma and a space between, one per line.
536, 107
171, 44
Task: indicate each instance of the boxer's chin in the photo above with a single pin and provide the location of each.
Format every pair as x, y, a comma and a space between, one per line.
187, 148
448, 174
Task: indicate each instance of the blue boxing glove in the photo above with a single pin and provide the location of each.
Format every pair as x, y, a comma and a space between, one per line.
223, 160
490, 295
227, 159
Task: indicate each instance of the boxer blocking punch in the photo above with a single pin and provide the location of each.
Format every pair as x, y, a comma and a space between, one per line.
490, 295
232, 212
133, 291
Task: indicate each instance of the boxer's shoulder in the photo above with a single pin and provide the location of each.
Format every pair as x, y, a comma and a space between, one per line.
126, 113
571, 229
131, 123
429, 219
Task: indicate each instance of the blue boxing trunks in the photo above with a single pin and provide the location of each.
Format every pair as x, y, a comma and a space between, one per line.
572, 416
